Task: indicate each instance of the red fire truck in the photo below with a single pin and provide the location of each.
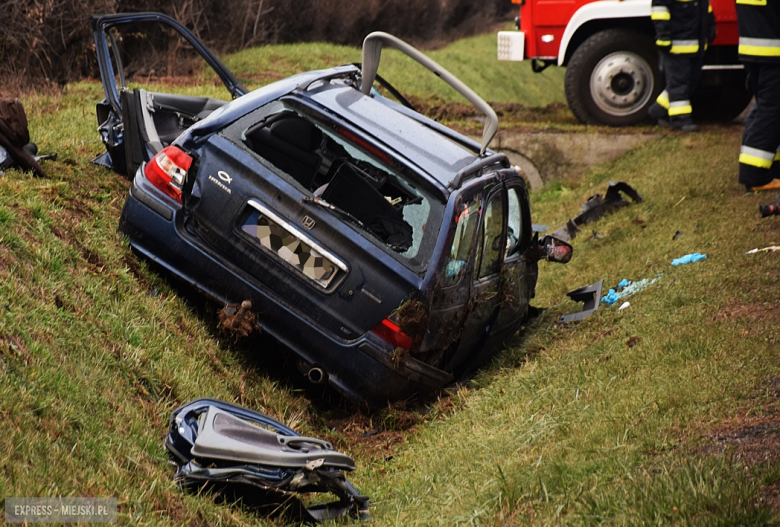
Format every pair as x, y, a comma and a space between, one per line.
612, 65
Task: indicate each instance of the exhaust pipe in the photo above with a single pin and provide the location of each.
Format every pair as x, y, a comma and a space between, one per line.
317, 376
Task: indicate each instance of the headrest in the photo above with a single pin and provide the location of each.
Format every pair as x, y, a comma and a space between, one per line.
298, 132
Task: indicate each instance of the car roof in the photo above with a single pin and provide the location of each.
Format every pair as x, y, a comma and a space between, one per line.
412, 135
436, 154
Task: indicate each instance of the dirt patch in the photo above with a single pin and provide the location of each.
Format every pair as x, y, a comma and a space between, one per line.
753, 440
132, 263
633, 341
440, 110
378, 435
238, 320
752, 313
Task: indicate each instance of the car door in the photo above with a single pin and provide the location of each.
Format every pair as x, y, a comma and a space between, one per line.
485, 290
514, 280
134, 124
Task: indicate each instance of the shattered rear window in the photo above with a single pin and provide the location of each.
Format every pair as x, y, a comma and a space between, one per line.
372, 191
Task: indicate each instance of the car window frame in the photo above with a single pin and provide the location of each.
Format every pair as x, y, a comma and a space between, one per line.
102, 26
525, 211
234, 133
490, 192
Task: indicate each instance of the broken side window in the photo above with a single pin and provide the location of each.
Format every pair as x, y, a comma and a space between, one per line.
492, 228
466, 220
514, 229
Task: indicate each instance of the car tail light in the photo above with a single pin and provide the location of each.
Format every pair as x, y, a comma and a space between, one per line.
168, 170
390, 332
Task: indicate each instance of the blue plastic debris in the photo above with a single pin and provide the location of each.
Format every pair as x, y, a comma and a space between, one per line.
688, 258
628, 288
610, 298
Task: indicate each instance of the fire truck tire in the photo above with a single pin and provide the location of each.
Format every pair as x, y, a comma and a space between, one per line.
613, 77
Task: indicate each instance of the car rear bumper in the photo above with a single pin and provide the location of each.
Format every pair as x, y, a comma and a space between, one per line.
365, 369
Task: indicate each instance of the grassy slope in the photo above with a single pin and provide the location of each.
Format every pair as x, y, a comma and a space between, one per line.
473, 60
569, 425
571, 422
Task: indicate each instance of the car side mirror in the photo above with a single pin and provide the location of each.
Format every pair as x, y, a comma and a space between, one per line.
556, 250
551, 249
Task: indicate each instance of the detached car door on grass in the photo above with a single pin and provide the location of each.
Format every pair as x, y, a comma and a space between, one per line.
140, 48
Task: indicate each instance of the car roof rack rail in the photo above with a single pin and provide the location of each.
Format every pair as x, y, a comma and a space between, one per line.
372, 53
478, 165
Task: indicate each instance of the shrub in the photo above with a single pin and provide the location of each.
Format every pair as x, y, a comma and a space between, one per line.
51, 40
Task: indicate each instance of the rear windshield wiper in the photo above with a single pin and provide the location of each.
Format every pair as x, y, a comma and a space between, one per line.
341, 212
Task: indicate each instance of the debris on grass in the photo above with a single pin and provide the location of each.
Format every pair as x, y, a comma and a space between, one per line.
770, 210
629, 288
238, 320
590, 296
260, 460
598, 206
688, 258
624, 305
771, 249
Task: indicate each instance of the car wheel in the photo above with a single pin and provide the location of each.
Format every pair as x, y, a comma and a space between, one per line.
721, 96
612, 78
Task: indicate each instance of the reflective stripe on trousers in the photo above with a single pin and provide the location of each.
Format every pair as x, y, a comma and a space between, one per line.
679, 108
673, 107
757, 158
759, 47
663, 100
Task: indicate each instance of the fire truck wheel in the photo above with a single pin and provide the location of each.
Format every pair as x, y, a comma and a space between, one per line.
613, 77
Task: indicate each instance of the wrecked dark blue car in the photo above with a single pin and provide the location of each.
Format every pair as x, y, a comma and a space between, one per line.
389, 253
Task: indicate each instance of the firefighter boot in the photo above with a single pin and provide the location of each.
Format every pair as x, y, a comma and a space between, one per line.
684, 124
659, 114
772, 185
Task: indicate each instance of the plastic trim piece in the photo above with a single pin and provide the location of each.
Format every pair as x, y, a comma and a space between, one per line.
590, 295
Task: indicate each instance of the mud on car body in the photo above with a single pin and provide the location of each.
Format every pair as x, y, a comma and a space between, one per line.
389, 253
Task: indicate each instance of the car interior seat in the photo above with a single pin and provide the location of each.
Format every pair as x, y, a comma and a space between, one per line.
290, 143
351, 192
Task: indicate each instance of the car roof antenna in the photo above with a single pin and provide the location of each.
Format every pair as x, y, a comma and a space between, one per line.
372, 52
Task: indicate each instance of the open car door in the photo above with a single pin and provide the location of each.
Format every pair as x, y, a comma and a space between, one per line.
135, 124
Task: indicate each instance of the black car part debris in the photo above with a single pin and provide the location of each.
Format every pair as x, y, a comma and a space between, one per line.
770, 210
251, 456
598, 206
590, 295
568, 231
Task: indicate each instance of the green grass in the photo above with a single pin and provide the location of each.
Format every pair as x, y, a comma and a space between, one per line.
569, 425
473, 60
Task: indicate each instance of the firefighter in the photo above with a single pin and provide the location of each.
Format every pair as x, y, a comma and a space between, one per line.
682, 28
759, 50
